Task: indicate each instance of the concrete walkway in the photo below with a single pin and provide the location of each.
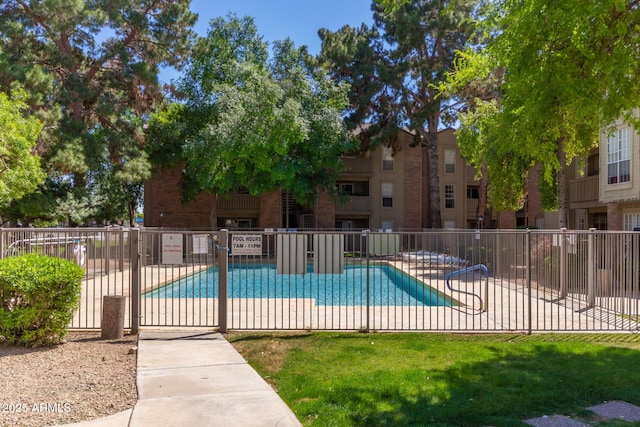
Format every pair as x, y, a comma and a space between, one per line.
196, 378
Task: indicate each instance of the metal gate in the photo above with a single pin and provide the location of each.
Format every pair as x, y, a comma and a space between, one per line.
183, 262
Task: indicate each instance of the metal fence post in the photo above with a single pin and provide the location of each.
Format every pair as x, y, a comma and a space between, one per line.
563, 262
591, 267
530, 314
367, 242
121, 250
106, 250
134, 258
223, 261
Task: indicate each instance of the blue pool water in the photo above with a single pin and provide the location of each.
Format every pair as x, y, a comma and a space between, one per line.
387, 286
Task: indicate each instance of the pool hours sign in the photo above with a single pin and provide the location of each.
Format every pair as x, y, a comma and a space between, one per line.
246, 244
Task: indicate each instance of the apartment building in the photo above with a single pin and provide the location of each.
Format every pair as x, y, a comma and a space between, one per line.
459, 190
605, 191
381, 189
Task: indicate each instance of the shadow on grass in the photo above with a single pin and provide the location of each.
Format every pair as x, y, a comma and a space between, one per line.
285, 336
508, 387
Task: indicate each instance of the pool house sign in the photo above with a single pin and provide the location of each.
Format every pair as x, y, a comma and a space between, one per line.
246, 244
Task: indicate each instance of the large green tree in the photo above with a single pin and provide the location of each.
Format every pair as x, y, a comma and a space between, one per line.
20, 170
569, 70
357, 57
250, 122
91, 69
395, 69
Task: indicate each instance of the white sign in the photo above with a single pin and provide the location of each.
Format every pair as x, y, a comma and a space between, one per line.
246, 244
200, 244
172, 249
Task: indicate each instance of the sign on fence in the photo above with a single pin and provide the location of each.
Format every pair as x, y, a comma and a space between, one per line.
200, 244
172, 248
246, 244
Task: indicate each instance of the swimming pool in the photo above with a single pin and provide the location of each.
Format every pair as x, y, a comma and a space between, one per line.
388, 286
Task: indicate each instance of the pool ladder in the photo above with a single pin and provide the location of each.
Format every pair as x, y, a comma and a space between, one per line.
478, 267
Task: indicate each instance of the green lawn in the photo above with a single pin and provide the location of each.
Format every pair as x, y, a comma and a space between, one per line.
434, 379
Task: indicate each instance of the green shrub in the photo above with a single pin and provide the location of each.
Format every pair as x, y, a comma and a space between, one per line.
38, 296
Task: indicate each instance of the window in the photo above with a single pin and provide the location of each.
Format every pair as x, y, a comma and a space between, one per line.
450, 161
344, 225
449, 197
387, 194
593, 165
346, 189
387, 158
618, 157
600, 221
582, 222
387, 224
631, 221
352, 223
236, 223
473, 192
589, 166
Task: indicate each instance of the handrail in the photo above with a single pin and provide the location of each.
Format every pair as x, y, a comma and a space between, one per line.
79, 247
483, 269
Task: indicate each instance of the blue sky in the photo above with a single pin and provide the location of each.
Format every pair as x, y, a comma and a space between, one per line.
296, 19
278, 19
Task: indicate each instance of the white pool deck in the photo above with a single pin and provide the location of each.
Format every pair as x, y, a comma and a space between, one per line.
503, 306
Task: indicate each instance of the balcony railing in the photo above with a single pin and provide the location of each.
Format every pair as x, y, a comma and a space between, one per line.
472, 208
356, 166
239, 202
584, 190
355, 204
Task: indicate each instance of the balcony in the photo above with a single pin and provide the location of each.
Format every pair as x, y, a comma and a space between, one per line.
584, 191
356, 166
354, 205
239, 203
472, 208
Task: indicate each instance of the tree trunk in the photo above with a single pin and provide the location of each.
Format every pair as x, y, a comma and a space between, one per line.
433, 183
434, 176
426, 194
482, 211
131, 211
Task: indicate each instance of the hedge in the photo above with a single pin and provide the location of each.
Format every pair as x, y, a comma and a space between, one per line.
38, 296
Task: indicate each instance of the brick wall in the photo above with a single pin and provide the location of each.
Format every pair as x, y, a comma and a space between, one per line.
270, 211
614, 217
325, 211
507, 220
534, 198
162, 205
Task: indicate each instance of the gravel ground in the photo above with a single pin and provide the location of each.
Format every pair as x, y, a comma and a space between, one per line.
82, 379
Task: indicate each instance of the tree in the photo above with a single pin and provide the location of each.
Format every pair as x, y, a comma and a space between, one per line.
571, 68
408, 53
357, 57
91, 71
20, 170
250, 122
